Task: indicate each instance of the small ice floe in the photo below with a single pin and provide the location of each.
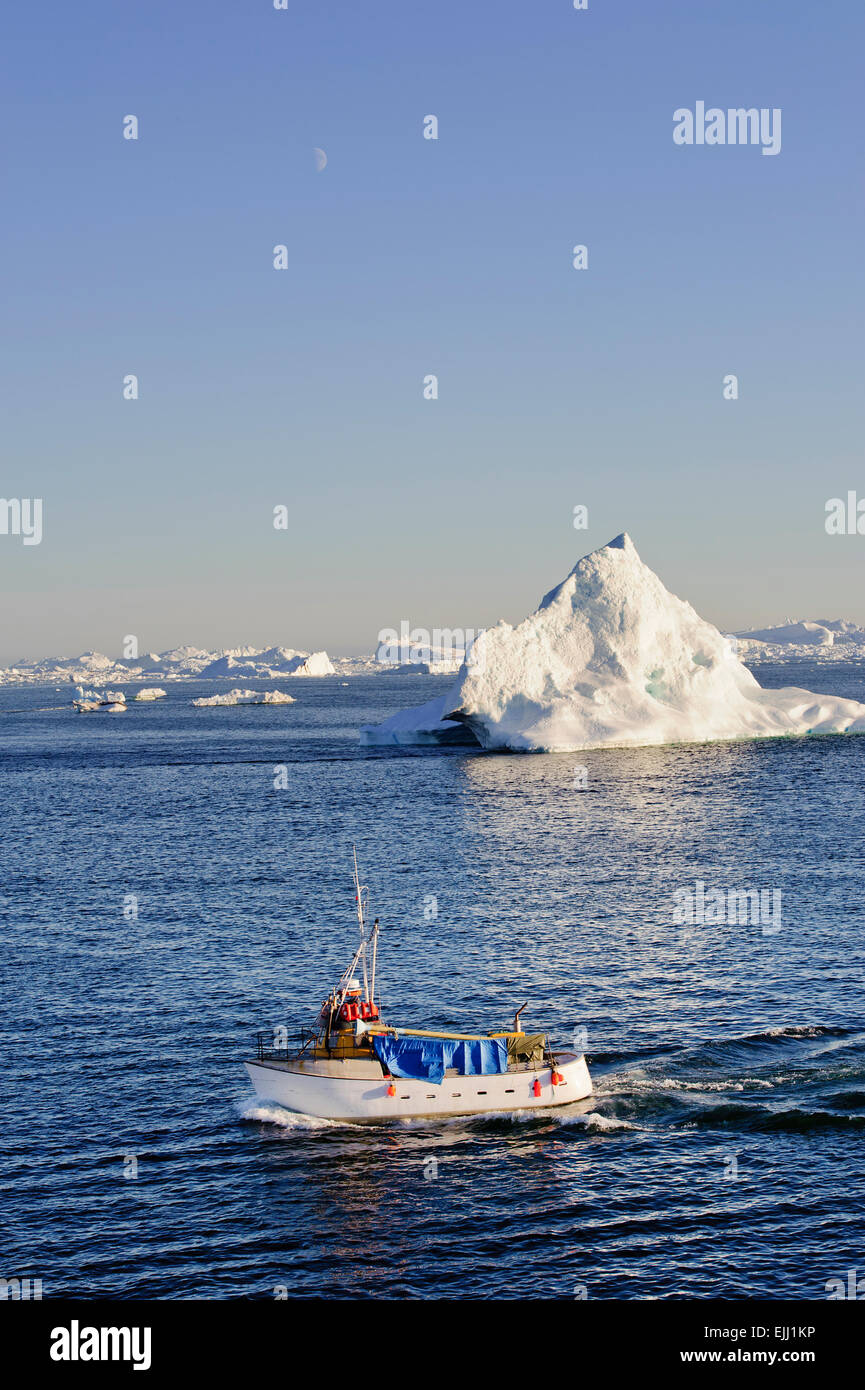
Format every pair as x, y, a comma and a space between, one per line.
89, 701
151, 693
244, 697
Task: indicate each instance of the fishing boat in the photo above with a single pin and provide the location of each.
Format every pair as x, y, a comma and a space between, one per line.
352, 1065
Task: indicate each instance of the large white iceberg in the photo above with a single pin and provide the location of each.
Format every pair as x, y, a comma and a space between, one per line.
610, 658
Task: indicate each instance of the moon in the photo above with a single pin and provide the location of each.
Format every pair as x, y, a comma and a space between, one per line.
320, 159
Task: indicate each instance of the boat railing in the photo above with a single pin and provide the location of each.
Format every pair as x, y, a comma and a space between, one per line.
280, 1043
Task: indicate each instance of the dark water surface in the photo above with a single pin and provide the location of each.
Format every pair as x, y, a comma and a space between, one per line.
722, 1153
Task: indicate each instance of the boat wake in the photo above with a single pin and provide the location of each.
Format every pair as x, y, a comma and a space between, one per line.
270, 1114
795, 1078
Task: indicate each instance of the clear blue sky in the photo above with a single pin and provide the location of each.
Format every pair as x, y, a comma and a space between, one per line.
409, 257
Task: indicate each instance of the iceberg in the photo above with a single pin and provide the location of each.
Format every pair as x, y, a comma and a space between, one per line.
88, 701
152, 692
316, 664
827, 640
275, 660
808, 632
244, 697
610, 658
181, 663
802, 634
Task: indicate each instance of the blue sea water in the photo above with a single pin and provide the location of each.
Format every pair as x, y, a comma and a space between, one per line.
161, 899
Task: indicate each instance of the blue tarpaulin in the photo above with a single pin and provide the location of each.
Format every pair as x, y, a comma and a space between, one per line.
426, 1059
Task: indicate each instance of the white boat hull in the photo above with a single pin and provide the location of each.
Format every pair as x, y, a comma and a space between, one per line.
357, 1090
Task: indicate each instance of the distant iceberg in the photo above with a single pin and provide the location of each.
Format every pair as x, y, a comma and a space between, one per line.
181, 663
245, 697
802, 634
610, 658
316, 664
152, 692
281, 661
811, 639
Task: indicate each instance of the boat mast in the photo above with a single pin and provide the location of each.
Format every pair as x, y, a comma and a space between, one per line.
374, 953
359, 894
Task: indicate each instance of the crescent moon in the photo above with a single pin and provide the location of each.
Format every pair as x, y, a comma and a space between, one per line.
320, 159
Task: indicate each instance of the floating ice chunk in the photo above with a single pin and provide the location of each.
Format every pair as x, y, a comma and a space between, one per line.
245, 697
151, 693
108, 701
